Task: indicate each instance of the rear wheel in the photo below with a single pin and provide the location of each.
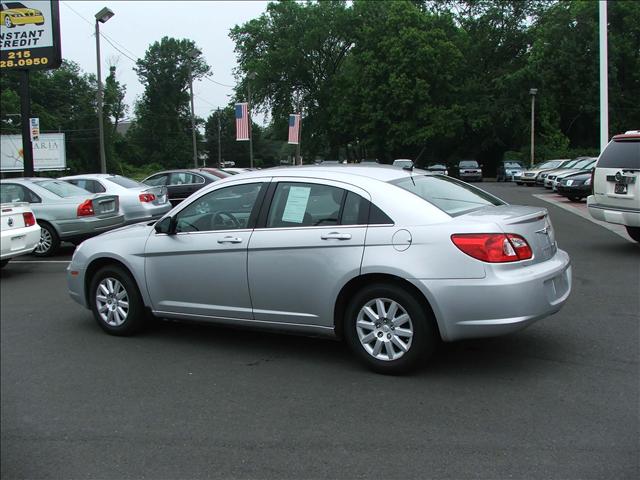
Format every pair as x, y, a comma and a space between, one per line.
116, 302
389, 329
634, 232
49, 241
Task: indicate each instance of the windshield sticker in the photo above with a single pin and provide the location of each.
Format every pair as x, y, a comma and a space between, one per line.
296, 204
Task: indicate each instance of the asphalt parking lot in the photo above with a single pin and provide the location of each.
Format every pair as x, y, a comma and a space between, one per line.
557, 400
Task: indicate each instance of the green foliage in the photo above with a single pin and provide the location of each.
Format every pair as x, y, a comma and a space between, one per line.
162, 130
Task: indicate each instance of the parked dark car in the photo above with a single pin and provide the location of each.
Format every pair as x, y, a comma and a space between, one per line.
507, 170
469, 171
575, 187
182, 183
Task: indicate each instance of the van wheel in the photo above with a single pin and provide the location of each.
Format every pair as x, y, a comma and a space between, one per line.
634, 232
49, 241
3, 263
116, 302
389, 329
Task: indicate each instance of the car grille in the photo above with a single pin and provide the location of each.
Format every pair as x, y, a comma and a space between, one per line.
529, 174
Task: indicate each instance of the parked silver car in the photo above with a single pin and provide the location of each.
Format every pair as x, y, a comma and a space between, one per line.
386, 258
63, 211
138, 202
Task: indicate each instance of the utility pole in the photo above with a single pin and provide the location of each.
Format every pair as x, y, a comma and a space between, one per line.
193, 119
533, 92
604, 77
25, 113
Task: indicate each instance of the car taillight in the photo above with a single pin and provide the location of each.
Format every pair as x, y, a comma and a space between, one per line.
146, 197
85, 209
493, 247
29, 219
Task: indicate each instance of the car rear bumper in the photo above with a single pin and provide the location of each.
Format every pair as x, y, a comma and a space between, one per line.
508, 299
622, 216
146, 214
19, 241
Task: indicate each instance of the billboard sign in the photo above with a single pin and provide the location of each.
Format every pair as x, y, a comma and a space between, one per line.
48, 153
29, 35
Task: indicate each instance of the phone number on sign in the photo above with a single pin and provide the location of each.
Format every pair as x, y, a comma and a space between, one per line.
22, 59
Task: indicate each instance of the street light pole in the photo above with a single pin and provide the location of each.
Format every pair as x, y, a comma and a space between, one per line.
250, 76
533, 92
219, 146
101, 17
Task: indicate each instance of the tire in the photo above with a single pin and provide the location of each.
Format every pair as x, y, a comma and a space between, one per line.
573, 198
529, 184
8, 23
3, 263
518, 183
116, 302
49, 241
634, 232
418, 337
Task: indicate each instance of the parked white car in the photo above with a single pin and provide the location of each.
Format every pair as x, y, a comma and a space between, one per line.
138, 202
19, 231
616, 184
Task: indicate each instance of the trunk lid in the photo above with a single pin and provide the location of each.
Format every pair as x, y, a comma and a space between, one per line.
160, 192
532, 223
11, 216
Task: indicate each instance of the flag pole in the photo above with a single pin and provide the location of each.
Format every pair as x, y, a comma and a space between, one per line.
298, 159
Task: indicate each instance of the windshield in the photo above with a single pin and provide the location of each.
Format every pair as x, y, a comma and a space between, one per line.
62, 189
468, 164
571, 164
512, 165
551, 164
448, 194
584, 163
125, 182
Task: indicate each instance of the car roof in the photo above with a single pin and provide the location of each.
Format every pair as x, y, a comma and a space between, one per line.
630, 135
348, 172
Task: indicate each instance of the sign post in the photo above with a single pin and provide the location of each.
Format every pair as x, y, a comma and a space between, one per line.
29, 40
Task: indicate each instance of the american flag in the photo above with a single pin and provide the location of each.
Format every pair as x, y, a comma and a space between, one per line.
242, 121
294, 128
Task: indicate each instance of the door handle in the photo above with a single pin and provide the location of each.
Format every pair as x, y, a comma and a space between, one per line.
230, 240
336, 236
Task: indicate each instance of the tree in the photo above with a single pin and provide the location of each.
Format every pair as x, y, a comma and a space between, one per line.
162, 129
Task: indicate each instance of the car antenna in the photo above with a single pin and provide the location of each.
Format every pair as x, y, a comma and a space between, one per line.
409, 168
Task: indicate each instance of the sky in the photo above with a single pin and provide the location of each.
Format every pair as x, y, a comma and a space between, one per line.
137, 24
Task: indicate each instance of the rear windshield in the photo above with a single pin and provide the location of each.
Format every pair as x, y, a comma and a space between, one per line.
62, 189
448, 194
125, 182
625, 154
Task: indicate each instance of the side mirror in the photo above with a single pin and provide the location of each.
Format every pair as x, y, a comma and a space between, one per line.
166, 225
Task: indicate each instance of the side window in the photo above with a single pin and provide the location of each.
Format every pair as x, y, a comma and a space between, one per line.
360, 211
11, 192
305, 205
223, 209
156, 180
97, 187
197, 179
185, 178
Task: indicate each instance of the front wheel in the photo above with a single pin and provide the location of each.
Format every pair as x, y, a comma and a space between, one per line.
634, 232
116, 302
389, 329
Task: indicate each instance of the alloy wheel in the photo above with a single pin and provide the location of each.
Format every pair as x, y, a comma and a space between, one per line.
46, 241
112, 302
384, 329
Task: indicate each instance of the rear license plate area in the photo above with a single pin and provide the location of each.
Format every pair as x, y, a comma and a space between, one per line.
620, 188
108, 206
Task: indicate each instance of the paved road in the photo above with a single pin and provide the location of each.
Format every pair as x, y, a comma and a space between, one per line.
558, 400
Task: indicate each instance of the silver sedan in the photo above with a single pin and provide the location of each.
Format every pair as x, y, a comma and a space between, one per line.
390, 260
138, 202
64, 211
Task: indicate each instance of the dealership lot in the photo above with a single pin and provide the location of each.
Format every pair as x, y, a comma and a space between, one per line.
557, 400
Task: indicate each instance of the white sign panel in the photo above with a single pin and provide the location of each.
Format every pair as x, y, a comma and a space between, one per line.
48, 153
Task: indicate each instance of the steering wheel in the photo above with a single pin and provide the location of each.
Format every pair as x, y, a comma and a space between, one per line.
225, 219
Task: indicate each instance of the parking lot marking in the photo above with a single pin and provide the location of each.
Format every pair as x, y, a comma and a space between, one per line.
617, 229
40, 261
